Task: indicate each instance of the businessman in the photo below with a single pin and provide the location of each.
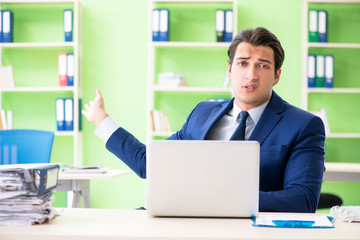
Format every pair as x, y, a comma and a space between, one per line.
291, 140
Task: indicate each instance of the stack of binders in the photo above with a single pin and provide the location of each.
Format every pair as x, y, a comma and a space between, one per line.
26, 193
65, 114
66, 67
320, 71
160, 25
224, 25
6, 26
318, 22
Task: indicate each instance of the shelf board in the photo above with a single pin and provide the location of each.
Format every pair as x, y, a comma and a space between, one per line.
36, 1
192, 44
334, 1
333, 90
194, 1
38, 89
191, 89
343, 135
37, 44
334, 45
64, 133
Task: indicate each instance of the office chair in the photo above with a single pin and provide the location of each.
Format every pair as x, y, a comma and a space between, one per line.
25, 146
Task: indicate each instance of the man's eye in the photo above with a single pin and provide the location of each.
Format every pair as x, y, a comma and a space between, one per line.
264, 66
242, 64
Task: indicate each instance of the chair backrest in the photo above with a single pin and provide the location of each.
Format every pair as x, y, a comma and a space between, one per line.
25, 146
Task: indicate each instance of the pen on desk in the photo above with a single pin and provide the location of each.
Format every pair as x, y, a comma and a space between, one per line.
293, 223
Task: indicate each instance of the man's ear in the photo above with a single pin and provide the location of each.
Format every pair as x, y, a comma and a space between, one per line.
277, 77
229, 71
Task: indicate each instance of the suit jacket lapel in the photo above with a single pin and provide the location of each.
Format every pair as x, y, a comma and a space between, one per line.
216, 114
271, 116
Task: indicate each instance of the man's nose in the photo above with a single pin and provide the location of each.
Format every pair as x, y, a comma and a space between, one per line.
251, 72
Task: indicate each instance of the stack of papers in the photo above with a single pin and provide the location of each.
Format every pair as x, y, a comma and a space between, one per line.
26, 193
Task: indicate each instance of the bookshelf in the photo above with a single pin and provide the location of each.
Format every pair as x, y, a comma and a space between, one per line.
193, 41
36, 75
340, 102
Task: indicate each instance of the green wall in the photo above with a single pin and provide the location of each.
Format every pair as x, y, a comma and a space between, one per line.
114, 59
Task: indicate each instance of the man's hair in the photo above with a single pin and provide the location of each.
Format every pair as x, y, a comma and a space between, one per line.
258, 37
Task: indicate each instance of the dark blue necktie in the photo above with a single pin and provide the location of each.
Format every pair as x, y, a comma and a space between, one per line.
239, 133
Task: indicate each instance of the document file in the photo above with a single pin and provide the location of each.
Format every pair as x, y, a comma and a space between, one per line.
70, 65
62, 72
329, 71
313, 26
7, 26
220, 25
68, 25
322, 31
228, 26
311, 68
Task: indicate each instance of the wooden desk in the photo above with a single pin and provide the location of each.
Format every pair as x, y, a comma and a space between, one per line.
342, 172
78, 185
106, 224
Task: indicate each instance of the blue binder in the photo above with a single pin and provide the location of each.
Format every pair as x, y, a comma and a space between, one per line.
322, 29
164, 25
156, 25
228, 26
70, 69
68, 25
1, 26
329, 71
45, 178
311, 70
60, 114
69, 114
7, 26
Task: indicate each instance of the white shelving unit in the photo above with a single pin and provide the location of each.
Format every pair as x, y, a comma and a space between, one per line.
153, 46
305, 49
75, 48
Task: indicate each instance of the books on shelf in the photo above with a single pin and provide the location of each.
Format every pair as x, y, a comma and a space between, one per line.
66, 66
26, 193
320, 70
160, 24
318, 26
159, 121
6, 120
64, 114
224, 25
7, 78
170, 79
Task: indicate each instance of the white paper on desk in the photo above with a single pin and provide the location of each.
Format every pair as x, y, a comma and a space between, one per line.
267, 219
84, 170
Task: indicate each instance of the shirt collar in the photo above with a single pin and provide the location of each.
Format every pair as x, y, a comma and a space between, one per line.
255, 113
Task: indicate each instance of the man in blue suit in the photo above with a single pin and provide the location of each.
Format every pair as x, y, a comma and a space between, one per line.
291, 139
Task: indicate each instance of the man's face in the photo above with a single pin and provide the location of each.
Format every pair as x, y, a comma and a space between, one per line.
253, 75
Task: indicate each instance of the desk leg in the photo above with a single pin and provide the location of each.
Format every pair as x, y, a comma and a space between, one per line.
85, 192
76, 189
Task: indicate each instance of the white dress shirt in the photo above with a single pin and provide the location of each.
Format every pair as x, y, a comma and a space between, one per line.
226, 126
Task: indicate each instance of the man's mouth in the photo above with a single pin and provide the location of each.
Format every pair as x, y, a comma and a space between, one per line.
250, 87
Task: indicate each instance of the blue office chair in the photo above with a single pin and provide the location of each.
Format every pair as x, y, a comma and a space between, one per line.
25, 146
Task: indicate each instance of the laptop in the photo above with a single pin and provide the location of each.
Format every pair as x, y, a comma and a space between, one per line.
191, 178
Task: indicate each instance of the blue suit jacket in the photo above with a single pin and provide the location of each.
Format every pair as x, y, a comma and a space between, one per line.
291, 151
